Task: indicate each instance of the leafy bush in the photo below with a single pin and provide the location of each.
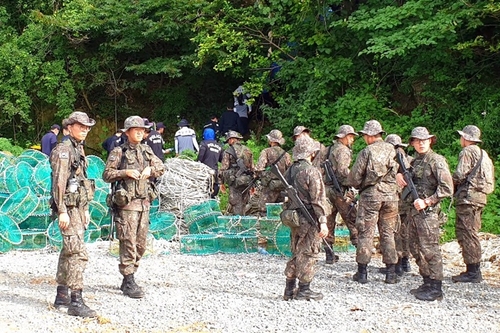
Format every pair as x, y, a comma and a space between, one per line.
6, 145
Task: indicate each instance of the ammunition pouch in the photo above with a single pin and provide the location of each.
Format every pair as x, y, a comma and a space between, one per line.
290, 218
243, 180
121, 197
141, 189
72, 200
276, 185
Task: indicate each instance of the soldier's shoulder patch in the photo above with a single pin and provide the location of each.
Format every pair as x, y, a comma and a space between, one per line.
64, 155
112, 157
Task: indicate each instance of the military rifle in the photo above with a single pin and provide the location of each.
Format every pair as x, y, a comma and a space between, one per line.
291, 193
330, 176
408, 179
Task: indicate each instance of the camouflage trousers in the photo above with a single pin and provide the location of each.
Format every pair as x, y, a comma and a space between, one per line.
305, 244
401, 237
424, 236
238, 200
73, 257
384, 215
132, 230
348, 213
467, 226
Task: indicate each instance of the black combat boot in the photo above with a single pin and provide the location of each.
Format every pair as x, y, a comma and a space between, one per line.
361, 275
405, 264
78, 308
289, 289
472, 274
432, 293
131, 289
424, 286
331, 257
390, 276
304, 293
62, 297
398, 268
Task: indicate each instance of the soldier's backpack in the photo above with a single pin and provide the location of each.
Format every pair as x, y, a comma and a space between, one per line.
486, 175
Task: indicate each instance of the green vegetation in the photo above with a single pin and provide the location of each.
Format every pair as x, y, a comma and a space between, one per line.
407, 63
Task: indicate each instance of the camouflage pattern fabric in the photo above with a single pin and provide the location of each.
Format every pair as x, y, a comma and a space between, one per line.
341, 158
424, 233
229, 168
374, 174
305, 240
467, 226
132, 230
267, 157
470, 202
73, 257
467, 160
433, 181
132, 220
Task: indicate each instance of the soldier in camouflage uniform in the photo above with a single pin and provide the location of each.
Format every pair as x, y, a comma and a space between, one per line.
433, 182
305, 239
271, 185
131, 167
374, 174
401, 237
470, 202
71, 194
340, 157
236, 171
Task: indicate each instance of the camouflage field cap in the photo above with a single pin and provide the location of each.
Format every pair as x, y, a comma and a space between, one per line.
79, 117
299, 129
372, 128
276, 136
471, 133
233, 134
305, 147
422, 133
345, 130
134, 122
395, 140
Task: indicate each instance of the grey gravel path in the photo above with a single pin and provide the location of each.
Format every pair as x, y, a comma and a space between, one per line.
235, 293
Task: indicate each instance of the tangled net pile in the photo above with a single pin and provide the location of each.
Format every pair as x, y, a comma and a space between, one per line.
184, 183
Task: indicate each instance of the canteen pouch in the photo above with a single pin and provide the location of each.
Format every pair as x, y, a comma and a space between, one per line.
290, 218
121, 197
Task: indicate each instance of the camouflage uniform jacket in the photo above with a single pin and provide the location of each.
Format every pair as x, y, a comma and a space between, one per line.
64, 157
270, 155
374, 172
432, 177
229, 162
341, 158
309, 184
467, 160
129, 156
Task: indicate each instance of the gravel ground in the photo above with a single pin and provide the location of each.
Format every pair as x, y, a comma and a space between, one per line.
235, 293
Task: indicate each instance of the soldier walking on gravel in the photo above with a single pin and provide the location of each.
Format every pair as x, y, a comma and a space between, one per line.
340, 158
271, 185
473, 180
71, 194
305, 238
132, 166
236, 171
374, 175
433, 182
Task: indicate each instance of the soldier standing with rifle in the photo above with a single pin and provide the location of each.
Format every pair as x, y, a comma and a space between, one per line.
374, 174
305, 214
132, 166
71, 194
474, 180
339, 158
271, 185
432, 182
237, 172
